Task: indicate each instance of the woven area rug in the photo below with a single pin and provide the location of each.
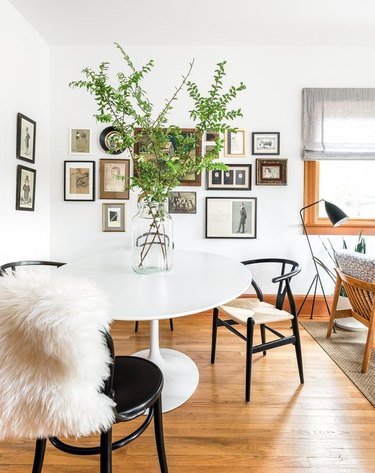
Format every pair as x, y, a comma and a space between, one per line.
346, 350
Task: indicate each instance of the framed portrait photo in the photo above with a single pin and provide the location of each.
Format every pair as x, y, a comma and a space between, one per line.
235, 144
113, 217
25, 193
79, 141
182, 203
26, 136
111, 187
236, 177
266, 143
271, 172
231, 217
79, 180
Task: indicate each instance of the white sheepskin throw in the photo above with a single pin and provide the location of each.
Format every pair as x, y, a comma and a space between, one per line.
53, 357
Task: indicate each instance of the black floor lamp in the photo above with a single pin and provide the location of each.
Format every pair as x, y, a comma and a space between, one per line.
337, 217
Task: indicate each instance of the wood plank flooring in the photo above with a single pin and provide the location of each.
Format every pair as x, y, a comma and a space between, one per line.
325, 426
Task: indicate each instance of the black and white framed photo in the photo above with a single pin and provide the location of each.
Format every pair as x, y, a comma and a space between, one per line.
111, 187
113, 217
271, 172
267, 142
211, 136
26, 137
25, 194
182, 203
231, 217
79, 141
236, 177
79, 180
235, 143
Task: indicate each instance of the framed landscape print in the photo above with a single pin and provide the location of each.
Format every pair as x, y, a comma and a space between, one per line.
25, 194
110, 186
140, 149
79, 141
236, 177
231, 217
26, 136
113, 217
79, 180
271, 172
182, 203
266, 143
235, 144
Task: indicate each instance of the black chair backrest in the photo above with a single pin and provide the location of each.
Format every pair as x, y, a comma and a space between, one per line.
14, 264
289, 269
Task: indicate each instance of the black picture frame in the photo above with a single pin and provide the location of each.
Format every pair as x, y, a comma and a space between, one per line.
25, 188
182, 202
79, 181
265, 143
26, 138
236, 178
231, 217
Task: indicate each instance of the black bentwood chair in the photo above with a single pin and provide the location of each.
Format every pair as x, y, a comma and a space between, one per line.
12, 266
60, 375
254, 311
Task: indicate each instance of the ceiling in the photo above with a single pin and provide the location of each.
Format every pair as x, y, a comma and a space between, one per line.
203, 22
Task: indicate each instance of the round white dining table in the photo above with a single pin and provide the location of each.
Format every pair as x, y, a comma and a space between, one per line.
197, 282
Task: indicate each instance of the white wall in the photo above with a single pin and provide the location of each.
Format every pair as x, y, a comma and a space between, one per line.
272, 102
24, 87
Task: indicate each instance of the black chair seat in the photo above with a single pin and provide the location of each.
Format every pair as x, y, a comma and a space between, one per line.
135, 395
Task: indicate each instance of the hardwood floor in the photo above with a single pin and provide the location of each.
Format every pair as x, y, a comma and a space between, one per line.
324, 426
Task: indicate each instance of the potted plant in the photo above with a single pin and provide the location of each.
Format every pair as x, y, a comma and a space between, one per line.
165, 153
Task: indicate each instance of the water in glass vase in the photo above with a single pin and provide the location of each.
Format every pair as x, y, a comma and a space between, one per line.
152, 239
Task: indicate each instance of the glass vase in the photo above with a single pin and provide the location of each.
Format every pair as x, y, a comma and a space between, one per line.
152, 239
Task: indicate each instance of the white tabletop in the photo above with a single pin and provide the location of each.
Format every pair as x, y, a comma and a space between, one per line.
198, 281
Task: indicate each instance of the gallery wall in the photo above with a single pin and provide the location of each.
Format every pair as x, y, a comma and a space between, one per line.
271, 102
25, 84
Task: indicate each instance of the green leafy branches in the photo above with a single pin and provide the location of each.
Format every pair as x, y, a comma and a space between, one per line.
162, 154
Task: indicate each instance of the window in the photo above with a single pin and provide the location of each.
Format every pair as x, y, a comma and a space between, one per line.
339, 154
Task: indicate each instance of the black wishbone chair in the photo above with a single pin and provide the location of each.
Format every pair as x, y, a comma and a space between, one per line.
12, 266
252, 311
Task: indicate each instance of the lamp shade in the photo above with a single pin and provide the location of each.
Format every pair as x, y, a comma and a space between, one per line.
336, 216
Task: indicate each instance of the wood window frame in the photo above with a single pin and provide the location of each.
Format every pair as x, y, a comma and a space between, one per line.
322, 226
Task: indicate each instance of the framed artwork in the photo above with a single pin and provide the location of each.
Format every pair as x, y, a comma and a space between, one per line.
235, 144
79, 141
231, 217
182, 203
111, 141
212, 135
79, 180
266, 143
110, 186
113, 217
236, 177
26, 136
191, 178
271, 172
25, 194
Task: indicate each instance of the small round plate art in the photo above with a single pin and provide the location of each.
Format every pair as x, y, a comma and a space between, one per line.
111, 141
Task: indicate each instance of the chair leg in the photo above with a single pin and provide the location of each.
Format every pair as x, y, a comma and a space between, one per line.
136, 326
106, 451
159, 436
171, 324
263, 335
249, 356
215, 315
297, 347
368, 348
40, 449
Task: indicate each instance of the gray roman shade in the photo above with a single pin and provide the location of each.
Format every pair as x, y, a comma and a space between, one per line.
338, 124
